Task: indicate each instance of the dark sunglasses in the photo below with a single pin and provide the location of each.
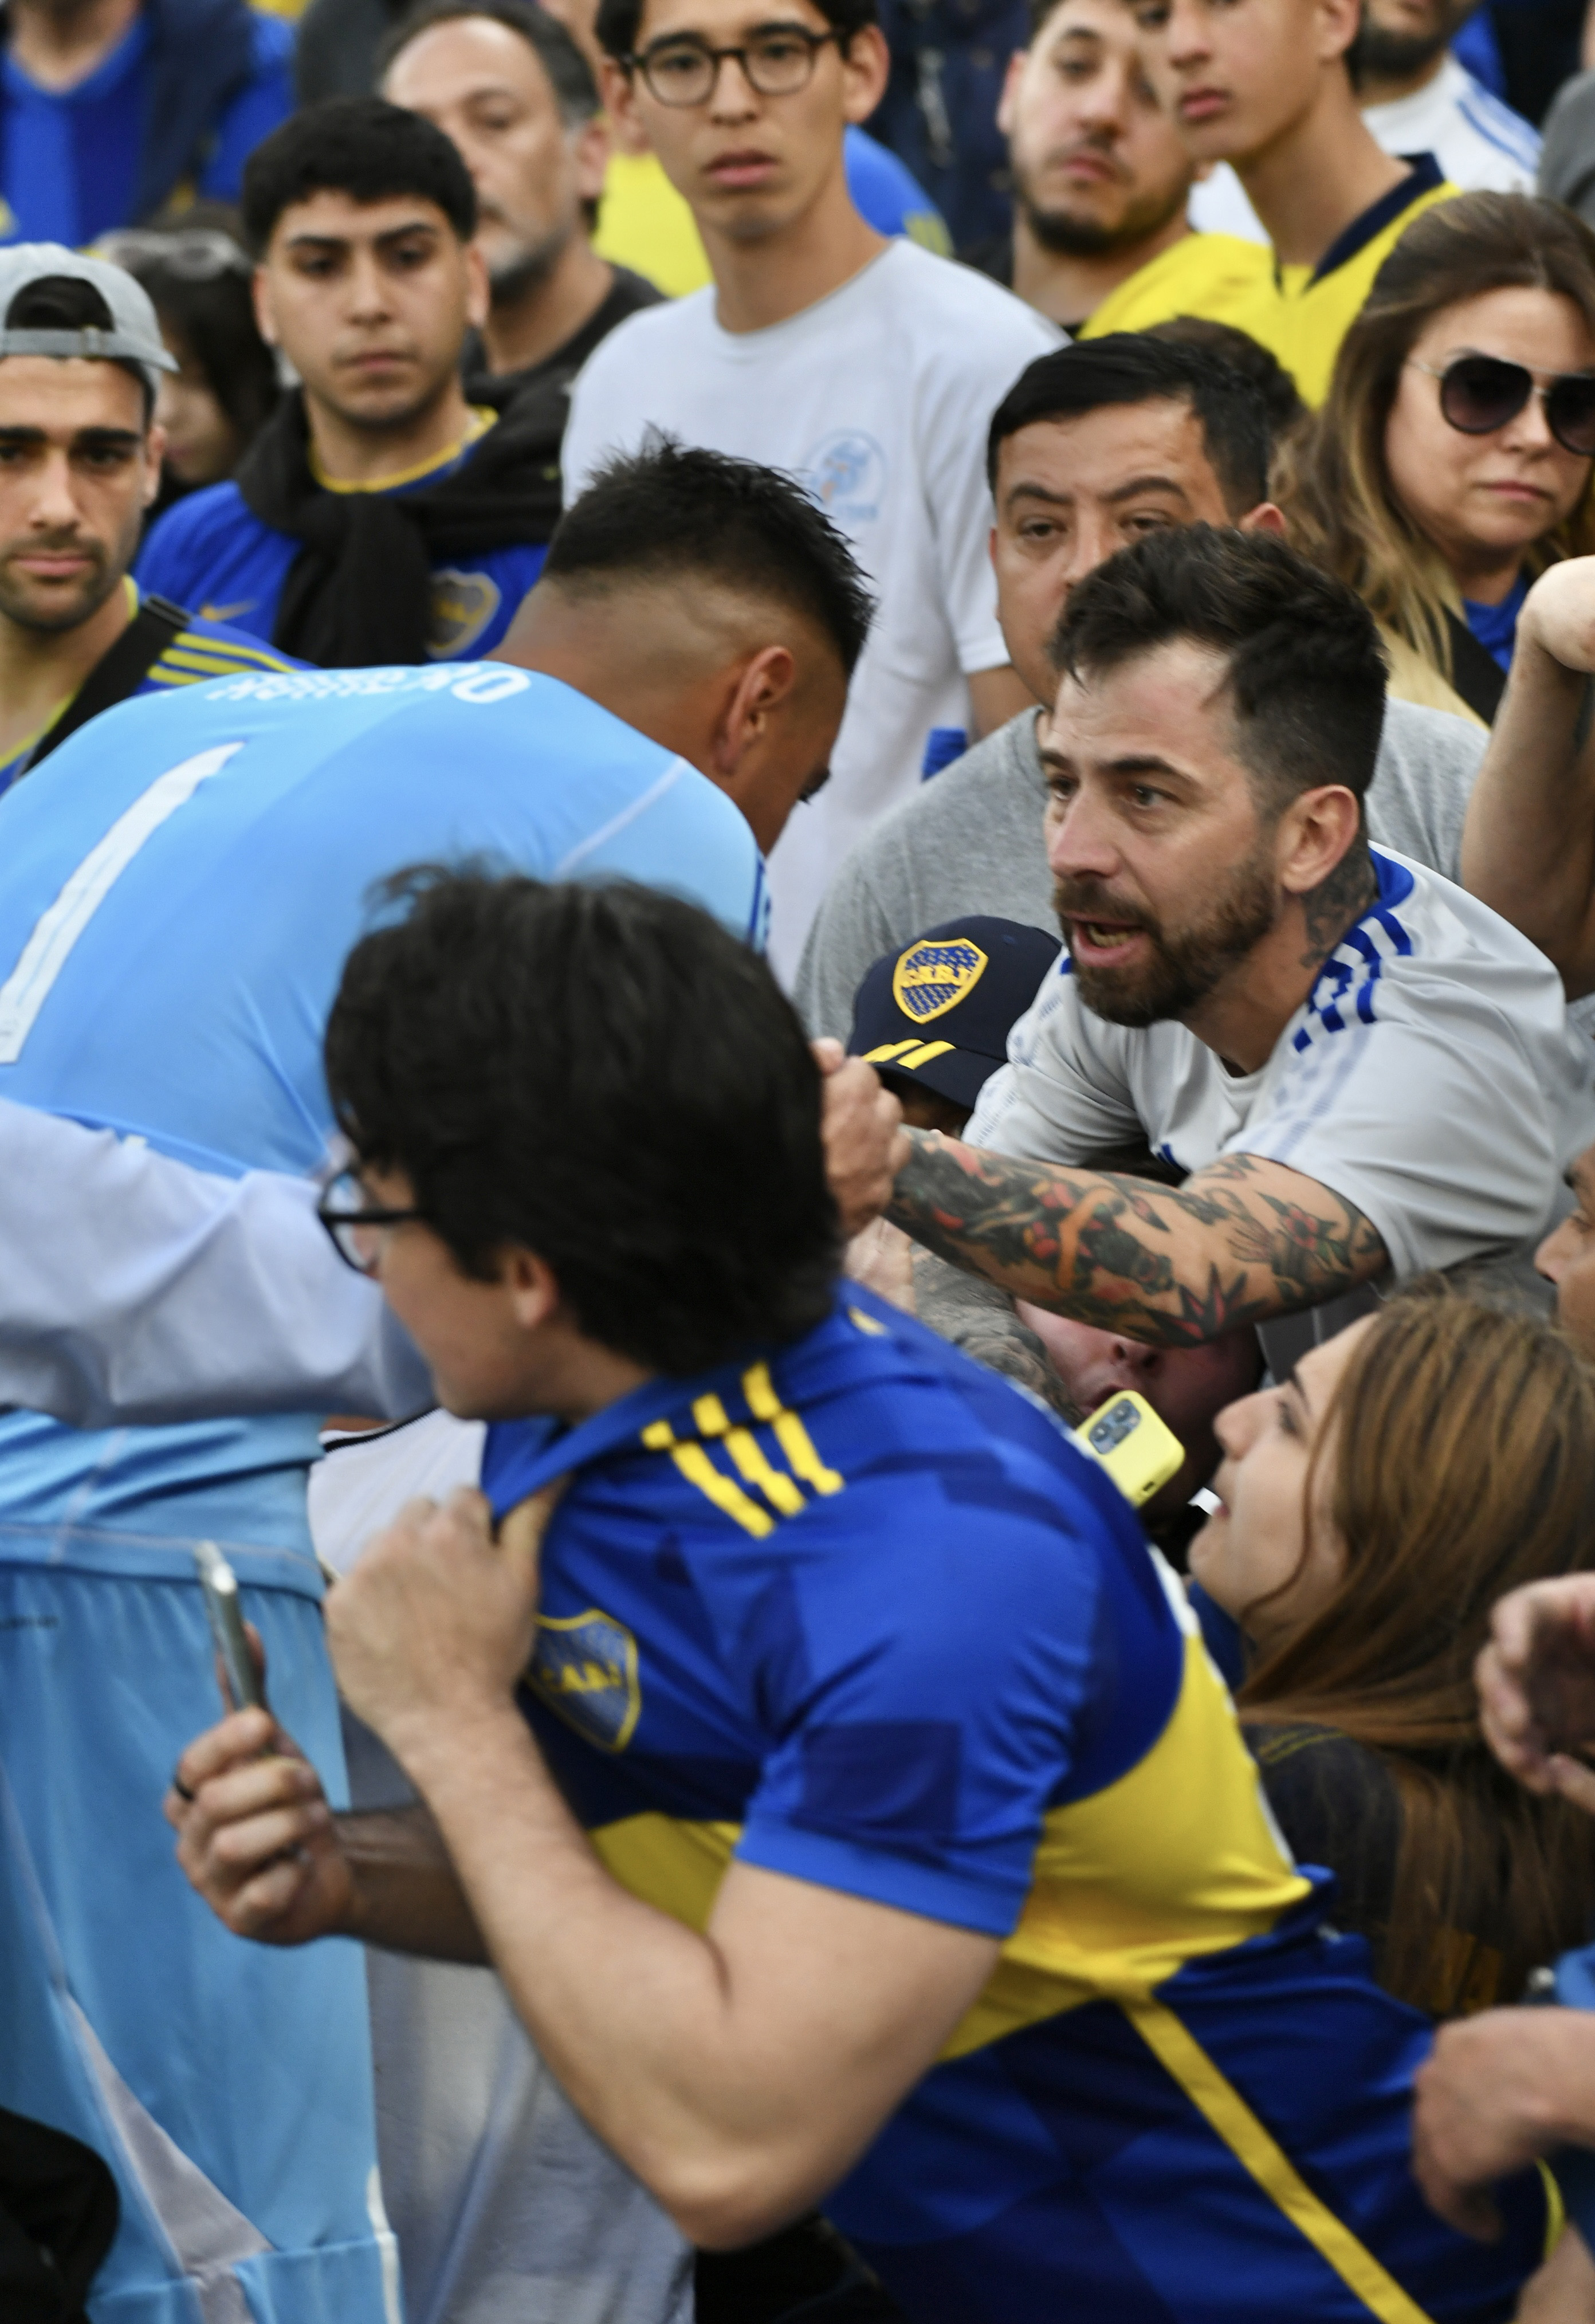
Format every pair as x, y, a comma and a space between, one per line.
1480, 393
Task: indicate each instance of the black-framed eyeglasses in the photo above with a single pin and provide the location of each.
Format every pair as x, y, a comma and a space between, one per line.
359, 1229
1480, 393
193, 253
775, 60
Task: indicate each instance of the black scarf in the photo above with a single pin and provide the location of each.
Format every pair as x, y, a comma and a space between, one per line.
360, 590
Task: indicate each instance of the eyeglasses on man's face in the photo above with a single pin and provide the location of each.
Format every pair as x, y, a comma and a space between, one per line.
775, 61
359, 1228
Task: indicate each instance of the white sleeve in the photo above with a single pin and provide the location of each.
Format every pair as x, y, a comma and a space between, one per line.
1055, 1100
1441, 1130
137, 1291
964, 394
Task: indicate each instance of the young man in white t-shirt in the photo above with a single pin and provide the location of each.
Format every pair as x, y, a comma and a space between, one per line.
1365, 1072
868, 367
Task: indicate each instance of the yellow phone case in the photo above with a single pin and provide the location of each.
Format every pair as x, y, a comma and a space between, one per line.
1136, 1448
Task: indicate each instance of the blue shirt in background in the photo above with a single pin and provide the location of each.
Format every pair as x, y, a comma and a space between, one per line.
212, 552
70, 160
1495, 626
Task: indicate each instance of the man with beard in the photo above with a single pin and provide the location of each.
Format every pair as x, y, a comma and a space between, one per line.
1417, 97
80, 353
514, 92
1100, 177
1324, 1037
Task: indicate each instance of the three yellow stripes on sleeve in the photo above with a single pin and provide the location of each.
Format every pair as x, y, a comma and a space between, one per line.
778, 1488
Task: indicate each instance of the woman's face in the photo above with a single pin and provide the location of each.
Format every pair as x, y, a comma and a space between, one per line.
1263, 1537
202, 444
1484, 500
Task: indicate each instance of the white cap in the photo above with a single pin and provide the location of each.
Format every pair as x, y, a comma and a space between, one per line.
134, 335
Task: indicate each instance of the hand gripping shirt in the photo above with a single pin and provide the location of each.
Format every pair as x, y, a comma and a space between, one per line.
858, 1612
1431, 1077
180, 884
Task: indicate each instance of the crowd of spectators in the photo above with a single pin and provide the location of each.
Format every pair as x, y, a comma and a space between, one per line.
796, 982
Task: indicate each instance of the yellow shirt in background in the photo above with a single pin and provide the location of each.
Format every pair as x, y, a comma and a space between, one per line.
1299, 313
644, 224
1214, 275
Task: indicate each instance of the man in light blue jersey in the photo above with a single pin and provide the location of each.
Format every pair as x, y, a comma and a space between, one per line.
178, 885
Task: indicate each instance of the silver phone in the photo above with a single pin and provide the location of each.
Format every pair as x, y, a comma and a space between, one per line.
241, 1681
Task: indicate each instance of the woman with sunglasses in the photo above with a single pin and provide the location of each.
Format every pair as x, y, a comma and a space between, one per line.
1451, 463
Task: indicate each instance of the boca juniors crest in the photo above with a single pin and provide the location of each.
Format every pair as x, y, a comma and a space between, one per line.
584, 1668
931, 978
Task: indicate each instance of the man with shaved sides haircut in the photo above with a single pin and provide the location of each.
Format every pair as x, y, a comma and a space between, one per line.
678, 681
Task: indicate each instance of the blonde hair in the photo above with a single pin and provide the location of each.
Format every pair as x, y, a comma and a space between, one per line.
1334, 483
1461, 1454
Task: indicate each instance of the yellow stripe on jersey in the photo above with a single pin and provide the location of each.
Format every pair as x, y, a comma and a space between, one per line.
790, 1433
1182, 2058
668, 1862
1180, 1857
698, 1470
745, 1450
191, 641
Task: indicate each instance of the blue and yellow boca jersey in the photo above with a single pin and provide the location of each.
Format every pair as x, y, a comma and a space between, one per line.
201, 650
858, 1613
212, 550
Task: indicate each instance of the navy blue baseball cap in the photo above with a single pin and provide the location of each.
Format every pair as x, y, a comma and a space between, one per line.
941, 1009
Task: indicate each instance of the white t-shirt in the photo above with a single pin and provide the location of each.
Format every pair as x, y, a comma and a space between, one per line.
1480, 143
1430, 1078
879, 397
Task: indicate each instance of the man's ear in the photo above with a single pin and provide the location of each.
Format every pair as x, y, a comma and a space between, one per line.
1316, 831
1007, 102
154, 452
534, 1291
619, 105
755, 690
1264, 518
264, 320
866, 66
477, 294
589, 153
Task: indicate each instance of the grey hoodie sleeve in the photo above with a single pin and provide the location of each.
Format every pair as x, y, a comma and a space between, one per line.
135, 1290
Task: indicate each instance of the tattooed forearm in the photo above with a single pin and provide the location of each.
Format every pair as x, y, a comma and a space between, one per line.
980, 1320
1242, 1240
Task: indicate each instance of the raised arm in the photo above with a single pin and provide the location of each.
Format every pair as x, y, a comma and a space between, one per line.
1529, 843
135, 1290
1239, 1242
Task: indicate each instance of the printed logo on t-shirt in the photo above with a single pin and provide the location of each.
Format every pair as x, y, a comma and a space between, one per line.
584, 1668
847, 474
463, 604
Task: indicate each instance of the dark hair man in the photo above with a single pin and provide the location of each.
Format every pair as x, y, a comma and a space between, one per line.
802, 1866
81, 355
1095, 446
863, 365
204, 861
514, 92
379, 516
1323, 1037
1267, 86
1101, 175
110, 109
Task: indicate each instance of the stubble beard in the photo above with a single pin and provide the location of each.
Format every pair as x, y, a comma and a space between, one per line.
1396, 56
1076, 234
1182, 968
528, 267
20, 603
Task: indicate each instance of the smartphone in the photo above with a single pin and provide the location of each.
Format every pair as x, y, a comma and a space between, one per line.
241, 1681
1138, 1451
